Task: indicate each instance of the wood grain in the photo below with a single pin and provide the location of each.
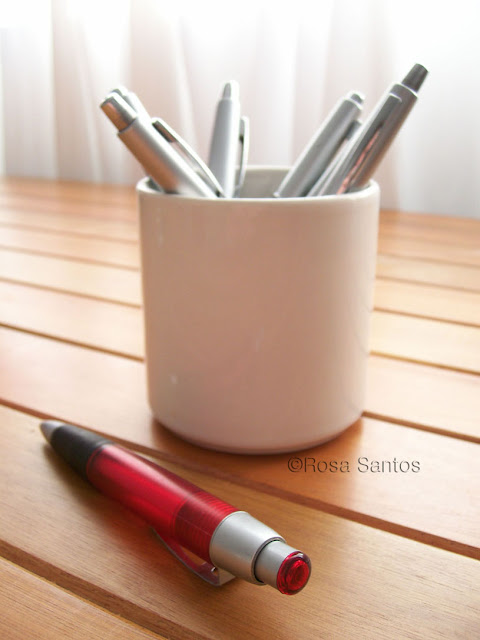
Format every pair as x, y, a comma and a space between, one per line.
426, 397
423, 249
105, 251
434, 228
426, 341
118, 328
375, 580
87, 226
109, 201
35, 608
426, 272
107, 394
420, 395
107, 283
380, 532
126, 254
17, 189
97, 324
428, 302
430, 221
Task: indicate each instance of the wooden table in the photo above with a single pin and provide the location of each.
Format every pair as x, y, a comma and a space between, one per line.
394, 553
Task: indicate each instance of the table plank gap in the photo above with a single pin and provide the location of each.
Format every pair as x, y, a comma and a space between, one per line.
402, 358
68, 233
376, 579
71, 258
408, 503
117, 328
416, 394
420, 250
80, 294
75, 343
73, 225
61, 613
107, 599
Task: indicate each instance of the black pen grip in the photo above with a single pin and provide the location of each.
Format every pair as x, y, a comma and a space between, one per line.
74, 444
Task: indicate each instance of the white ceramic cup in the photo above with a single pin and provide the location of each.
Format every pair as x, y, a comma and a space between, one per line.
257, 313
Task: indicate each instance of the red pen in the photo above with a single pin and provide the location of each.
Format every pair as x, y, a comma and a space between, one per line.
230, 542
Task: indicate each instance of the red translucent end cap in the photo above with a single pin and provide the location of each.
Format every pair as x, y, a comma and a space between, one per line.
294, 573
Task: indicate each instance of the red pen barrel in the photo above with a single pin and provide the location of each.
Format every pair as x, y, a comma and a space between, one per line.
176, 508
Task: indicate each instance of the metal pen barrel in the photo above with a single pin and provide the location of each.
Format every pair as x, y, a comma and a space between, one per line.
369, 145
225, 139
319, 152
162, 163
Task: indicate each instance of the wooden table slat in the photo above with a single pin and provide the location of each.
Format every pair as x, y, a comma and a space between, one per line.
441, 344
92, 227
376, 580
430, 273
394, 244
74, 247
124, 285
380, 509
98, 281
426, 404
118, 328
423, 301
430, 221
60, 615
18, 189
89, 388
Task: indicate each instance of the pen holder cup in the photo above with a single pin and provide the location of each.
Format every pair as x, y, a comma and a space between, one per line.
257, 313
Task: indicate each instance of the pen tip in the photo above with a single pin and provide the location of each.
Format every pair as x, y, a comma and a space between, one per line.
47, 427
231, 90
120, 90
415, 77
357, 97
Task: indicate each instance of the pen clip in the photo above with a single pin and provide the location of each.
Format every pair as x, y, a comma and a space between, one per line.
189, 154
205, 570
244, 140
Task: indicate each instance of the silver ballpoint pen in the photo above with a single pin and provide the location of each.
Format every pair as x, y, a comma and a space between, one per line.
188, 153
172, 137
158, 157
369, 145
322, 148
226, 137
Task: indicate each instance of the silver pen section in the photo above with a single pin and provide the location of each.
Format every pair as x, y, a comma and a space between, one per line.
224, 144
133, 100
369, 145
188, 153
159, 159
322, 148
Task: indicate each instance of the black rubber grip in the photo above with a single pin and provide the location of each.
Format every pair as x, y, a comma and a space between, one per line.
76, 445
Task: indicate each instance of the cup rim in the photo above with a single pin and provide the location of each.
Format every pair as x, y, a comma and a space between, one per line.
145, 187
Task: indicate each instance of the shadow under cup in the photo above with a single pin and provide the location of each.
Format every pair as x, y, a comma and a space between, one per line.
257, 313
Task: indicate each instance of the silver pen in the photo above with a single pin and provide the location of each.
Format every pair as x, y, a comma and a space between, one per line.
369, 145
189, 154
160, 160
226, 137
322, 148
172, 137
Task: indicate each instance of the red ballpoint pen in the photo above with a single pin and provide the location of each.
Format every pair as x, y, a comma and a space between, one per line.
230, 542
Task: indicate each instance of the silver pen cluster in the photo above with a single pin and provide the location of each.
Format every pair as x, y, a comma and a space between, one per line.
341, 157
344, 153
169, 161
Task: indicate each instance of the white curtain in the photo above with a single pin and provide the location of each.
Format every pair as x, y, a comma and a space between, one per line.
293, 61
